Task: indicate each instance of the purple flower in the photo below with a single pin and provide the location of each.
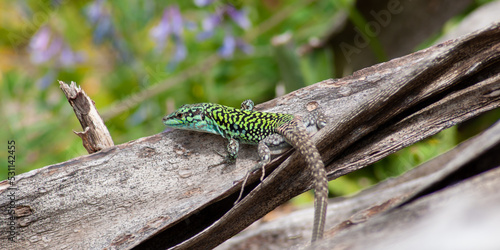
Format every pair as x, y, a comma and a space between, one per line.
160, 32
176, 17
212, 21
202, 3
180, 51
69, 57
171, 25
42, 48
220, 19
47, 79
239, 17
209, 24
230, 44
95, 11
45, 46
98, 15
244, 46
227, 49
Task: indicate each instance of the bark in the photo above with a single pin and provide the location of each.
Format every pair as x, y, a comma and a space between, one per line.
95, 135
157, 192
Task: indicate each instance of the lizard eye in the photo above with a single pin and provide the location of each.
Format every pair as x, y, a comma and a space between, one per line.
180, 116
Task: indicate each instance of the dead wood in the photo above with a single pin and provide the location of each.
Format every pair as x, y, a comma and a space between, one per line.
442, 195
95, 135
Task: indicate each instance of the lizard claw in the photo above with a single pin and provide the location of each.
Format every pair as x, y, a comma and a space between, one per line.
227, 160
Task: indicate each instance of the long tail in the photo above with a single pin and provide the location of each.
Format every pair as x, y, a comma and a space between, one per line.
296, 135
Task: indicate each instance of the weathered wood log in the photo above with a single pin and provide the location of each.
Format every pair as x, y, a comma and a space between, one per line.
157, 192
432, 194
454, 207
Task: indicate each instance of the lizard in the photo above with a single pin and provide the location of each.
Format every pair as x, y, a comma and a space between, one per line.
274, 133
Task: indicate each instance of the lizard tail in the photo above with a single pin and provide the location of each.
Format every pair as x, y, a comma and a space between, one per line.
296, 135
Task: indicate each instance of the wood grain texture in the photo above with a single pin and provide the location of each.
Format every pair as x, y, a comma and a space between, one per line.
157, 192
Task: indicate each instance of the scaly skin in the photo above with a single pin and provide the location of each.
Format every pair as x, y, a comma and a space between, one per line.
273, 132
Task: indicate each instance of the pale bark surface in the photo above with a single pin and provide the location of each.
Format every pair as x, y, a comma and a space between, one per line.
157, 191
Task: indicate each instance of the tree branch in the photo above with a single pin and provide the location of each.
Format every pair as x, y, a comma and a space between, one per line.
95, 135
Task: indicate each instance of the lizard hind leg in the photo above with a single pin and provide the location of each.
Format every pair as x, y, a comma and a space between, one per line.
265, 158
272, 144
247, 105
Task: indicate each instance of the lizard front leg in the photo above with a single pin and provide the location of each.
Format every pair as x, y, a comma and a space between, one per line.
232, 153
232, 150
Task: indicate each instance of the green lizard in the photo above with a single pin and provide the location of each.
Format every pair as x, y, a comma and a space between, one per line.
273, 132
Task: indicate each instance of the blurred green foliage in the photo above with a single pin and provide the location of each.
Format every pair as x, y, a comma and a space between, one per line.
120, 59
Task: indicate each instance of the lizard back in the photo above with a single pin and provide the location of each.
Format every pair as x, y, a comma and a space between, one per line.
245, 125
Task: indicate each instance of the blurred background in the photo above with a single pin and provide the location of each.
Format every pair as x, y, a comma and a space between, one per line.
140, 59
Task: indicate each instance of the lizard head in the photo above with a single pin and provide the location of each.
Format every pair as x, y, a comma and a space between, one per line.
189, 117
